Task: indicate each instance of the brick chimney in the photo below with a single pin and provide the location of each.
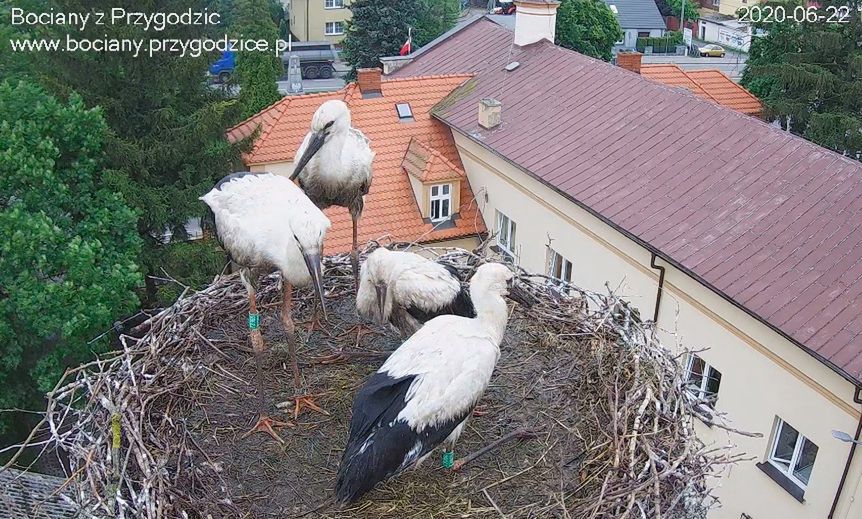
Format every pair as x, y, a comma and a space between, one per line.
535, 20
368, 80
630, 60
490, 113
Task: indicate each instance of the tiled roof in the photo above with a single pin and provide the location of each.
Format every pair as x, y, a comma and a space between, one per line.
428, 165
708, 84
768, 220
28, 495
390, 207
638, 14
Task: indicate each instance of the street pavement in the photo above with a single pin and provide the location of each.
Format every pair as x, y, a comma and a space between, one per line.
732, 64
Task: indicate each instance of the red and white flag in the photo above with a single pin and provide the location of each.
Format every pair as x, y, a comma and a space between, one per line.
407, 48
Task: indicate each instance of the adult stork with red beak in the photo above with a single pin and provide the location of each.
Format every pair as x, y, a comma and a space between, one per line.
333, 165
265, 221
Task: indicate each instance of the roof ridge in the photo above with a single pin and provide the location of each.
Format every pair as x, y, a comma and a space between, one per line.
739, 87
699, 85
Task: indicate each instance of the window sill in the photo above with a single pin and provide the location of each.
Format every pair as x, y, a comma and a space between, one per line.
783, 481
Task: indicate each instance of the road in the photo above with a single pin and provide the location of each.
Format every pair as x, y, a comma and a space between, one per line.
732, 64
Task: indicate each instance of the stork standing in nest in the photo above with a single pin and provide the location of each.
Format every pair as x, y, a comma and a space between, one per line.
265, 221
407, 290
423, 394
333, 165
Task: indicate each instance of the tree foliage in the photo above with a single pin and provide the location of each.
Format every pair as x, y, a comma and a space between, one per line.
692, 9
587, 26
166, 145
257, 72
433, 18
377, 28
809, 77
68, 243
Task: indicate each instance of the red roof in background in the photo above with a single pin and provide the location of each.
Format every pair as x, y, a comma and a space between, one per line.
768, 220
708, 84
391, 208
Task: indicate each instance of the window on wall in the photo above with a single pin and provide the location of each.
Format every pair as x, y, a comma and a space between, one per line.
559, 267
506, 233
333, 4
702, 380
334, 28
441, 202
792, 454
716, 3
643, 34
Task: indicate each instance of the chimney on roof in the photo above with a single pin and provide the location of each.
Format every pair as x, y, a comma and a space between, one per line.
535, 20
490, 113
368, 80
630, 60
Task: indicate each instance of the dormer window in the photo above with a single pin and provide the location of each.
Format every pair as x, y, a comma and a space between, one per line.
405, 113
441, 202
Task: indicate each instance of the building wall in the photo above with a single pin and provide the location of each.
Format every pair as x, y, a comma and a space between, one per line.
317, 17
727, 36
763, 374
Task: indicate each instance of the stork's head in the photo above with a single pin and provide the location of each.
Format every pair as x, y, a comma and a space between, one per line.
309, 233
380, 267
497, 279
331, 118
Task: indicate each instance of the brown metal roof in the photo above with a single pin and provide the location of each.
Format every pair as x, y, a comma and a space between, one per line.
770, 221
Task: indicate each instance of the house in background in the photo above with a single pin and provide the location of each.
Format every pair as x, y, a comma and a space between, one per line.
740, 240
638, 19
709, 84
419, 191
318, 20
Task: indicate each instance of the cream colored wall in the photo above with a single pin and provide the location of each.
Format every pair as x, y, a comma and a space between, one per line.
729, 7
318, 15
763, 374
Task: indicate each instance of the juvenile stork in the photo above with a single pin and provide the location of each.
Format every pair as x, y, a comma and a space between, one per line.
425, 391
333, 165
265, 221
407, 290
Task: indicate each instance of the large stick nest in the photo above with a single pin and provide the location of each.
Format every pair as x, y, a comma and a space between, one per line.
611, 423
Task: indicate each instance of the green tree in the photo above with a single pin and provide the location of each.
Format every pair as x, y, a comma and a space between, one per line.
809, 77
166, 146
692, 9
587, 26
433, 18
377, 28
257, 72
68, 243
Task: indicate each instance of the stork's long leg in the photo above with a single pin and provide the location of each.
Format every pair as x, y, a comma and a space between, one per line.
264, 422
354, 253
300, 400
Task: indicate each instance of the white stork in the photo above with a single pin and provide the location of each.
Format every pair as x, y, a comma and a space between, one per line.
266, 221
333, 165
425, 391
407, 290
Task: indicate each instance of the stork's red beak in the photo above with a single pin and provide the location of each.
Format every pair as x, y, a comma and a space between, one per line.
317, 140
312, 261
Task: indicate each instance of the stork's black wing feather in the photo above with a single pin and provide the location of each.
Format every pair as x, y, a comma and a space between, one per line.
462, 305
380, 445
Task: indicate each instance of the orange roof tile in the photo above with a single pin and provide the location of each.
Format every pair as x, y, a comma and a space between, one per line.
708, 84
428, 165
391, 208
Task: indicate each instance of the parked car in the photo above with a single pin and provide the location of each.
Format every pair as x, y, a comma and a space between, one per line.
504, 7
316, 58
712, 50
223, 67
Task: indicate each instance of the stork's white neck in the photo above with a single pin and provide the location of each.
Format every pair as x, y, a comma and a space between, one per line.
330, 152
491, 311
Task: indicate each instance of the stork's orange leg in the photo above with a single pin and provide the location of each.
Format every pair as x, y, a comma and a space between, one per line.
300, 400
354, 254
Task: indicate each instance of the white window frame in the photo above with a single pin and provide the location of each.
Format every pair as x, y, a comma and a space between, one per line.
701, 393
555, 259
794, 458
333, 4
507, 245
334, 31
439, 198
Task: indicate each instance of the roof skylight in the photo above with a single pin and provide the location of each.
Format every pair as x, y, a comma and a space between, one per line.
404, 111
